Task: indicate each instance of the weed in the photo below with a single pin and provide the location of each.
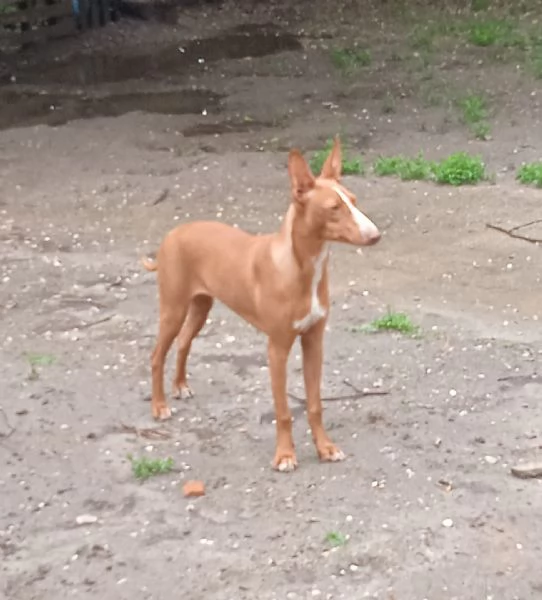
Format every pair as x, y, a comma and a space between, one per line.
349, 60
408, 169
336, 539
534, 62
6, 9
479, 5
490, 33
384, 166
530, 174
388, 105
459, 169
350, 166
393, 321
474, 114
144, 467
38, 360
481, 131
473, 108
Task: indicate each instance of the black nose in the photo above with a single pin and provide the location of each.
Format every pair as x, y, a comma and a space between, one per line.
374, 238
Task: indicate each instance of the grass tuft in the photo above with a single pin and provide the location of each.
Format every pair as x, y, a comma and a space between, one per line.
408, 169
349, 60
460, 169
144, 467
38, 360
489, 33
391, 321
350, 165
530, 174
474, 114
336, 539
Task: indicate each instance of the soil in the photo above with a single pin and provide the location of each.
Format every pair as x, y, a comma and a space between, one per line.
110, 139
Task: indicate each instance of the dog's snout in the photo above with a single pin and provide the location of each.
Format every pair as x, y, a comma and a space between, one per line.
374, 237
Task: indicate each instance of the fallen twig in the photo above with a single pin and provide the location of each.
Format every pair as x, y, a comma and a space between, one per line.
161, 197
512, 232
93, 323
11, 429
358, 394
150, 434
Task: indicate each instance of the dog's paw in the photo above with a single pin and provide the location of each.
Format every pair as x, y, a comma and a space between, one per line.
330, 453
285, 462
183, 392
161, 413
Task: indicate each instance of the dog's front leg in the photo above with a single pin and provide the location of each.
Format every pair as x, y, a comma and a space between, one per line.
312, 346
278, 351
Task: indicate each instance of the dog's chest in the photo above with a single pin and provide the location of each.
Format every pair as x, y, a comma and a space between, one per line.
316, 310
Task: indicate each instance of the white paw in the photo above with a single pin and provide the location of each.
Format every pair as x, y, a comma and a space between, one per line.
337, 456
183, 393
286, 465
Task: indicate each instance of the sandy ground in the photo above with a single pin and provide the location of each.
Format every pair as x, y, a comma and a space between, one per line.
425, 500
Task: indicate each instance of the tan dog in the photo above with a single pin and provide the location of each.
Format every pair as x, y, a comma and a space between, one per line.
276, 282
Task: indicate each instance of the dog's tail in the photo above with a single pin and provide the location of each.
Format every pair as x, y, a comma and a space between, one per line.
150, 265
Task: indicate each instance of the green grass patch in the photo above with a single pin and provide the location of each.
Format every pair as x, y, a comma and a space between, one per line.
40, 360
479, 5
530, 174
459, 169
474, 114
335, 539
407, 169
144, 467
534, 62
490, 32
474, 108
36, 361
351, 165
349, 60
393, 321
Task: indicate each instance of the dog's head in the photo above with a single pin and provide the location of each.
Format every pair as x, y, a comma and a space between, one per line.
327, 208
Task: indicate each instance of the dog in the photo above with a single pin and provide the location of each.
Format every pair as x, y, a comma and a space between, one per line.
276, 282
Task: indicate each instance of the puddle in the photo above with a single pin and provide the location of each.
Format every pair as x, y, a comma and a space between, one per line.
24, 109
91, 69
227, 127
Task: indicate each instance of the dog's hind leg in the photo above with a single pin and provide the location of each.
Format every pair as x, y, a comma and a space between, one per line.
197, 315
171, 321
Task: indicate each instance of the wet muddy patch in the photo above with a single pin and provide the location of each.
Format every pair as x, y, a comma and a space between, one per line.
230, 126
171, 63
33, 108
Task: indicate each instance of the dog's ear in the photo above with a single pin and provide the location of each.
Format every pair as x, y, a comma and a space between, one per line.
332, 168
301, 177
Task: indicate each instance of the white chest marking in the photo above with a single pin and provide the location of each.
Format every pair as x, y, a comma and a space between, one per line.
366, 227
317, 311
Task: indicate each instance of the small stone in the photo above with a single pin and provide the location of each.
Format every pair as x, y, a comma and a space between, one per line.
447, 523
491, 460
86, 519
193, 489
527, 470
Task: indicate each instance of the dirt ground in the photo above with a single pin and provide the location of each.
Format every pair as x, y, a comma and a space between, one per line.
425, 501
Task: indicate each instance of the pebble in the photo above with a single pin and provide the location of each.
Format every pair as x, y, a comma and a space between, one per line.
491, 460
447, 523
86, 519
527, 470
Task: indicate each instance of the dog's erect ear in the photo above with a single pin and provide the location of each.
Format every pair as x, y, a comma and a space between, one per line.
333, 166
301, 177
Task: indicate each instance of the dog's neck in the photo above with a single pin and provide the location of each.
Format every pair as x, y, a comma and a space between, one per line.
307, 246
